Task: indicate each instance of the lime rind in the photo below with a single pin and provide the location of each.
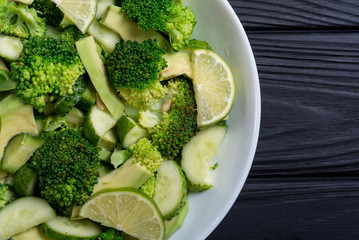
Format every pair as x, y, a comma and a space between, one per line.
213, 85
128, 210
80, 12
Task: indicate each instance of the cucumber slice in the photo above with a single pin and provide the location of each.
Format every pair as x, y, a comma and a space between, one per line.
108, 141
18, 151
66, 103
118, 157
88, 98
63, 228
75, 117
197, 154
25, 181
14, 122
171, 189
97, 123
23, 214
104, 155
129, 131
31, 234
176, 222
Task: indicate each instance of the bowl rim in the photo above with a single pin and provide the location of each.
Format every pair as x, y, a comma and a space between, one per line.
256, 125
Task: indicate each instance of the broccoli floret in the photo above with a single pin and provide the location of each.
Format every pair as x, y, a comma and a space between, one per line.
5, 195
149, 186
197, 44
48, 10
72, 34
47, 67
145, 153
134, 70
179, 124
173, 19
54, 122
67, 165
110, 234
20, 21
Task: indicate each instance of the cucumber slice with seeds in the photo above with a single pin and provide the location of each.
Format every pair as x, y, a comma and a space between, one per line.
25, 181
23, 214
63, 228
176, 222
171, 189
129, 131
97, 123
18, 151
31, 234
197, 154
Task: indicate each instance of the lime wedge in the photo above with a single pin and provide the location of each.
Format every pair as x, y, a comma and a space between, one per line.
127, 210
80, 12
213, 85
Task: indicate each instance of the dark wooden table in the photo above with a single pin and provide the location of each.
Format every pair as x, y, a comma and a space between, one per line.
304, 183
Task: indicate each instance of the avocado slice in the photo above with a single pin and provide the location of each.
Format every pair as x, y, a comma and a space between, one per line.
3, 66
86, 48
15, 121
128, 30
178, 63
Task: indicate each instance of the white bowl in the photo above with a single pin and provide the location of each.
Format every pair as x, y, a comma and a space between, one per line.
220, 27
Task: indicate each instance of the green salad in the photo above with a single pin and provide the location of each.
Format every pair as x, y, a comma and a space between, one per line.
110, 115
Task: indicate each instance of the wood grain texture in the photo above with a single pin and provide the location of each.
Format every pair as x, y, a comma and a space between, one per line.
309, 84
304, 180
294, 209
290, 14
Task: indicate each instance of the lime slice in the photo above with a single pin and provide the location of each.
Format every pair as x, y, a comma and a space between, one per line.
80, 12
127, 210
213, 85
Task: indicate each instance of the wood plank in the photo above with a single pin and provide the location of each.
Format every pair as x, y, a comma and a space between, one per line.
310, 92
279, 14
298, 208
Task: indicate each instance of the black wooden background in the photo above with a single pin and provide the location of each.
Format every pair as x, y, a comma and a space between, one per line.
304, 183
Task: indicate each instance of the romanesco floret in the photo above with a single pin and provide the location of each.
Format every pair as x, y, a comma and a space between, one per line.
67, 165
173, 19
134, 70
110, 234
17, 19
179, 124
149, 186
47, 67
5, 195
146, 154
48, 10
